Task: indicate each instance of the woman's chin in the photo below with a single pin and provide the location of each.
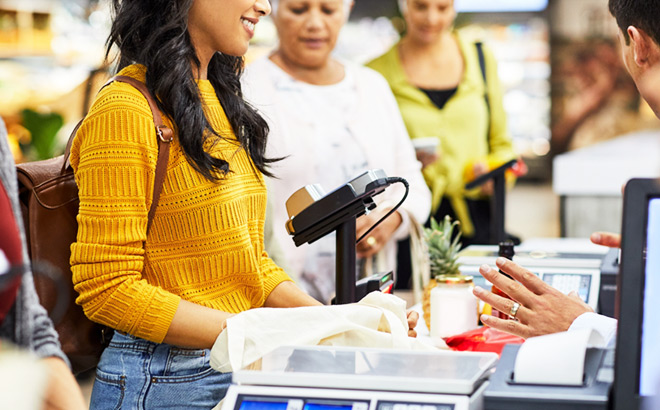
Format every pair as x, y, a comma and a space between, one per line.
312, 62
426, 38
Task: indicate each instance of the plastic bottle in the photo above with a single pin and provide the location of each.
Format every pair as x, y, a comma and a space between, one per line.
506, 250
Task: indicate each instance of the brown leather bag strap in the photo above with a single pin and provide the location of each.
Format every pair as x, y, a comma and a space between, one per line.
164, 133
165, 136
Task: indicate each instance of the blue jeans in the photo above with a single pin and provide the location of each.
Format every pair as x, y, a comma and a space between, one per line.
137, 374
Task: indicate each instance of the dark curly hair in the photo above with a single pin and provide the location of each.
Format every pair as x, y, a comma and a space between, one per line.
154, 33
643, 14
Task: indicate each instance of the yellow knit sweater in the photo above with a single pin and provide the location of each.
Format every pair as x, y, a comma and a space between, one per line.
206, 241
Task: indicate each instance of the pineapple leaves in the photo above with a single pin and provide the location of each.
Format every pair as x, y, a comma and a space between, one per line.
443, 247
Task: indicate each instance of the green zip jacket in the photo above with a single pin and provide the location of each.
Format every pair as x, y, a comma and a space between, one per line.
461, 125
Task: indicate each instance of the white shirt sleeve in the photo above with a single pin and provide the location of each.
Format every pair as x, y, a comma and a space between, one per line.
604, 325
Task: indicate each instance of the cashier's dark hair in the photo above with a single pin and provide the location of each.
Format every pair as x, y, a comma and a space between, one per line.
643, 14
154, 33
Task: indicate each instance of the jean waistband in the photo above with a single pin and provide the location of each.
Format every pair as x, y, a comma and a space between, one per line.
124, 340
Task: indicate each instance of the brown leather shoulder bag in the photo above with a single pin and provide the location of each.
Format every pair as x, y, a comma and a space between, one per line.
49, 204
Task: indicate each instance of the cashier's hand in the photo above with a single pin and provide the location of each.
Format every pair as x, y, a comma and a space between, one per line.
413, 318
612, 240
543, 309
375, 241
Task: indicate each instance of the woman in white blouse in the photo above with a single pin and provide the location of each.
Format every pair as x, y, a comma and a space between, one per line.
330, 120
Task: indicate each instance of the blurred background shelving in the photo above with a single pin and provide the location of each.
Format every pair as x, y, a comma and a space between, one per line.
48, 51
565, 88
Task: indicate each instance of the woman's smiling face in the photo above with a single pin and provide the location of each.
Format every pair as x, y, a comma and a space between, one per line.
308, 30
426, 20
224, 25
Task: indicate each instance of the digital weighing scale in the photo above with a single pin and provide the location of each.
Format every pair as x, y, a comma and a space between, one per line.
346, 378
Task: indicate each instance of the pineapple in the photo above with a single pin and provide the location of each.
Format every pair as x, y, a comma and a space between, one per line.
443, 257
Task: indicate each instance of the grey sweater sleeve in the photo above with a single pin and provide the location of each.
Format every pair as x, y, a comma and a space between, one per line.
27, 324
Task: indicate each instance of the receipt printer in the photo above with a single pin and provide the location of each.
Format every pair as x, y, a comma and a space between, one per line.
553, 375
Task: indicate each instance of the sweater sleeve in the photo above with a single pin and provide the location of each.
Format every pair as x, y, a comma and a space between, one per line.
273, 275
114, 159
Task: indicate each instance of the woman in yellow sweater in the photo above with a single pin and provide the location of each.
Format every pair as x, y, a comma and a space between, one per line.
437, 80
169, 293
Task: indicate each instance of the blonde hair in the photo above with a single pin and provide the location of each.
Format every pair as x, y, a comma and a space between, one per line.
275, 3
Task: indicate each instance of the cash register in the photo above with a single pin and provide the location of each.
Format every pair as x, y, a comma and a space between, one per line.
626, 377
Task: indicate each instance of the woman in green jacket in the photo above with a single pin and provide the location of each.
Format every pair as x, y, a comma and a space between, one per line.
437, 79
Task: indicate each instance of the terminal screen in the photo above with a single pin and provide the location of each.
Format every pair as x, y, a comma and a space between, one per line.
649, 377
566, 283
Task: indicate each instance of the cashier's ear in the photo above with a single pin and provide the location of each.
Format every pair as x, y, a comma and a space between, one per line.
646, 51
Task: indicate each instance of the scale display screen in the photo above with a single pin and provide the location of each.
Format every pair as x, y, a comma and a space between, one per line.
263, 405
321, 406
279, 403
268, 397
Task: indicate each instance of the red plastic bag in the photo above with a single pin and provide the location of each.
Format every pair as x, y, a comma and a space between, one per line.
482, 339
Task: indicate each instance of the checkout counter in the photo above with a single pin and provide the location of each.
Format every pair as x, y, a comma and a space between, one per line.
359, 378
343, 378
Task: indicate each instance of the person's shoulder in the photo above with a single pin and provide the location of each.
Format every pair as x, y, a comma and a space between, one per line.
366, 77
257, 69
368, 74
469, 38
385, 61
119, 95
258, 80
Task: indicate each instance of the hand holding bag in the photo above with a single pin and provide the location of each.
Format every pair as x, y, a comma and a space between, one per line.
378, 320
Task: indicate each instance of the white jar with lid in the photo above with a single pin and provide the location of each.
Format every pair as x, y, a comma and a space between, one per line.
453, 306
